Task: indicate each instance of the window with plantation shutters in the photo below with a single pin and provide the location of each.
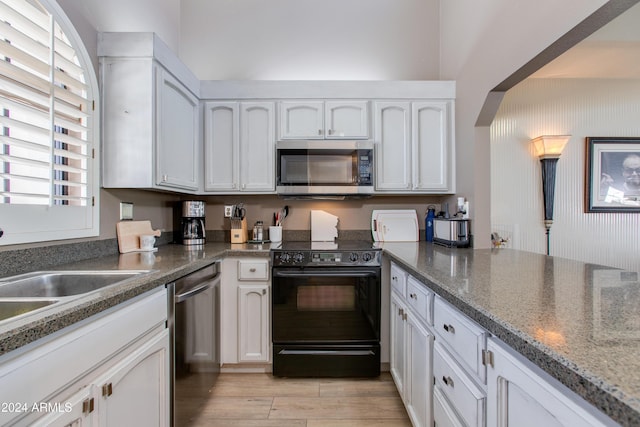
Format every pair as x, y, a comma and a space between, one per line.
47, 126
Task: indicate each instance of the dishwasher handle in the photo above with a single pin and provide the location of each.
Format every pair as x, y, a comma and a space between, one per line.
197, 288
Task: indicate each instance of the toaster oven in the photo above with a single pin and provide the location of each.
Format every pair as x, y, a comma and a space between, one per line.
452, 232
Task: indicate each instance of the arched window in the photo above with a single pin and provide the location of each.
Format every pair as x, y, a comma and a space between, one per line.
48, 126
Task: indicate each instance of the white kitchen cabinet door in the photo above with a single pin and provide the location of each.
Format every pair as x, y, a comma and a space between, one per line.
253, 323
397, 348
418, 382
177, 136
221, 146
519, 397
432, 146
257, 147
302, 120
346, 119
135, 392
150, 124
392, 139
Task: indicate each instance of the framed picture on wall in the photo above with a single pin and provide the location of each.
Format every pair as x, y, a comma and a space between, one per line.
612, 174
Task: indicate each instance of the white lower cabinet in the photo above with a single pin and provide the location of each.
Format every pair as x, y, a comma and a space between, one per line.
133, 392
519, 395
419, 345
110, 369
245, 311
253, 323
411, 349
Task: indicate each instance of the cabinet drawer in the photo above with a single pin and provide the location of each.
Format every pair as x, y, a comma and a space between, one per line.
457, 386
465, 338
398, 280
420, 299
253, 270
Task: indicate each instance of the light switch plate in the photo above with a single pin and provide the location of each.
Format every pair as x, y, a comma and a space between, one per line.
126, 211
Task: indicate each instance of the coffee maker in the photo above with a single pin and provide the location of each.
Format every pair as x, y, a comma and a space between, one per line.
192, 222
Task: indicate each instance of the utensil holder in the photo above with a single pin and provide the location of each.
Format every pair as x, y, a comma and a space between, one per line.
239, 231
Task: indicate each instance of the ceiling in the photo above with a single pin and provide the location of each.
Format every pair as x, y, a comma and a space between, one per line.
612, 52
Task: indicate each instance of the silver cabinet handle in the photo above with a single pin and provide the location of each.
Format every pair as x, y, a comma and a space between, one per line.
413, 296
447, 380
264, 292
253, 270
319, 131
449, 328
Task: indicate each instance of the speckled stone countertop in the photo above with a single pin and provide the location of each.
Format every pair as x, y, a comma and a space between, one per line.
578, 322
169, 263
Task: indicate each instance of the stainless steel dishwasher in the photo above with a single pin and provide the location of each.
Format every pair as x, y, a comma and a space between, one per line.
194, 327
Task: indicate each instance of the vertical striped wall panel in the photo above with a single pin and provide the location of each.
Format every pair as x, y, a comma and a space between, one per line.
581, 108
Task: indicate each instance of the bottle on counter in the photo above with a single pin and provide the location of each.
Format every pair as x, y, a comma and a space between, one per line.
258, 231
428, 226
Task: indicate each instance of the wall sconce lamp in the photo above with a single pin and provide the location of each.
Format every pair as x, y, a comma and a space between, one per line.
548, 149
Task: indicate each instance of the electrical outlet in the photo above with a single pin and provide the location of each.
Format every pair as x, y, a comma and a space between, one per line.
126, 211
227, 211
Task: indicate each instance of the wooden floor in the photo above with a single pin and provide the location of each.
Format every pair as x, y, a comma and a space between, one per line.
261, 400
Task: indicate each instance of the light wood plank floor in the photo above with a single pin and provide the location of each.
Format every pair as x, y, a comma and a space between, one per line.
261, 400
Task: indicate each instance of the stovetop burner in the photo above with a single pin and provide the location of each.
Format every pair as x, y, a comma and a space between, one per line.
320, 254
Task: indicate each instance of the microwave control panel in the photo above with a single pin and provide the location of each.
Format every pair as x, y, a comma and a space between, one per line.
365, 167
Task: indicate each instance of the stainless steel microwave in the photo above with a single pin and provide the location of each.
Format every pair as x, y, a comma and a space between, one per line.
327, 168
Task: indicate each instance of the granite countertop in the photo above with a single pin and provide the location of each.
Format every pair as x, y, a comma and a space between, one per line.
578, 322
169, 263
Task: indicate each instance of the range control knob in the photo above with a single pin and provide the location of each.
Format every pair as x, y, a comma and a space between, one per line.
298, 257
353, 256
367, 256
285, 257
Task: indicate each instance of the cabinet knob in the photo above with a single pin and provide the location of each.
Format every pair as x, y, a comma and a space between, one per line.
330, 131
448, 381
264, 292
413, 296
164, 178
449, 328
319, 131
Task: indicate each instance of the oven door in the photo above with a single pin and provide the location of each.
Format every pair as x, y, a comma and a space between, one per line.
326, 321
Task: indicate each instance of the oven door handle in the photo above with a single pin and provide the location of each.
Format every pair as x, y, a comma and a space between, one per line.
325, 273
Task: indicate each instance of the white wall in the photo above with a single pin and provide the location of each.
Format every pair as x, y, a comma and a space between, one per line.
310, 39
488, 53
581, 108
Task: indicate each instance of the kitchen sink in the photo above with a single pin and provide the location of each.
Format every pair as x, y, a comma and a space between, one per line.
9, 309
55, 284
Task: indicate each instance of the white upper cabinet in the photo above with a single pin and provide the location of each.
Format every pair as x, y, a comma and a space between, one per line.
324, 120
414, 146
432, 146
239, 147
392, 138
151, 130
177, 135
221, 146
